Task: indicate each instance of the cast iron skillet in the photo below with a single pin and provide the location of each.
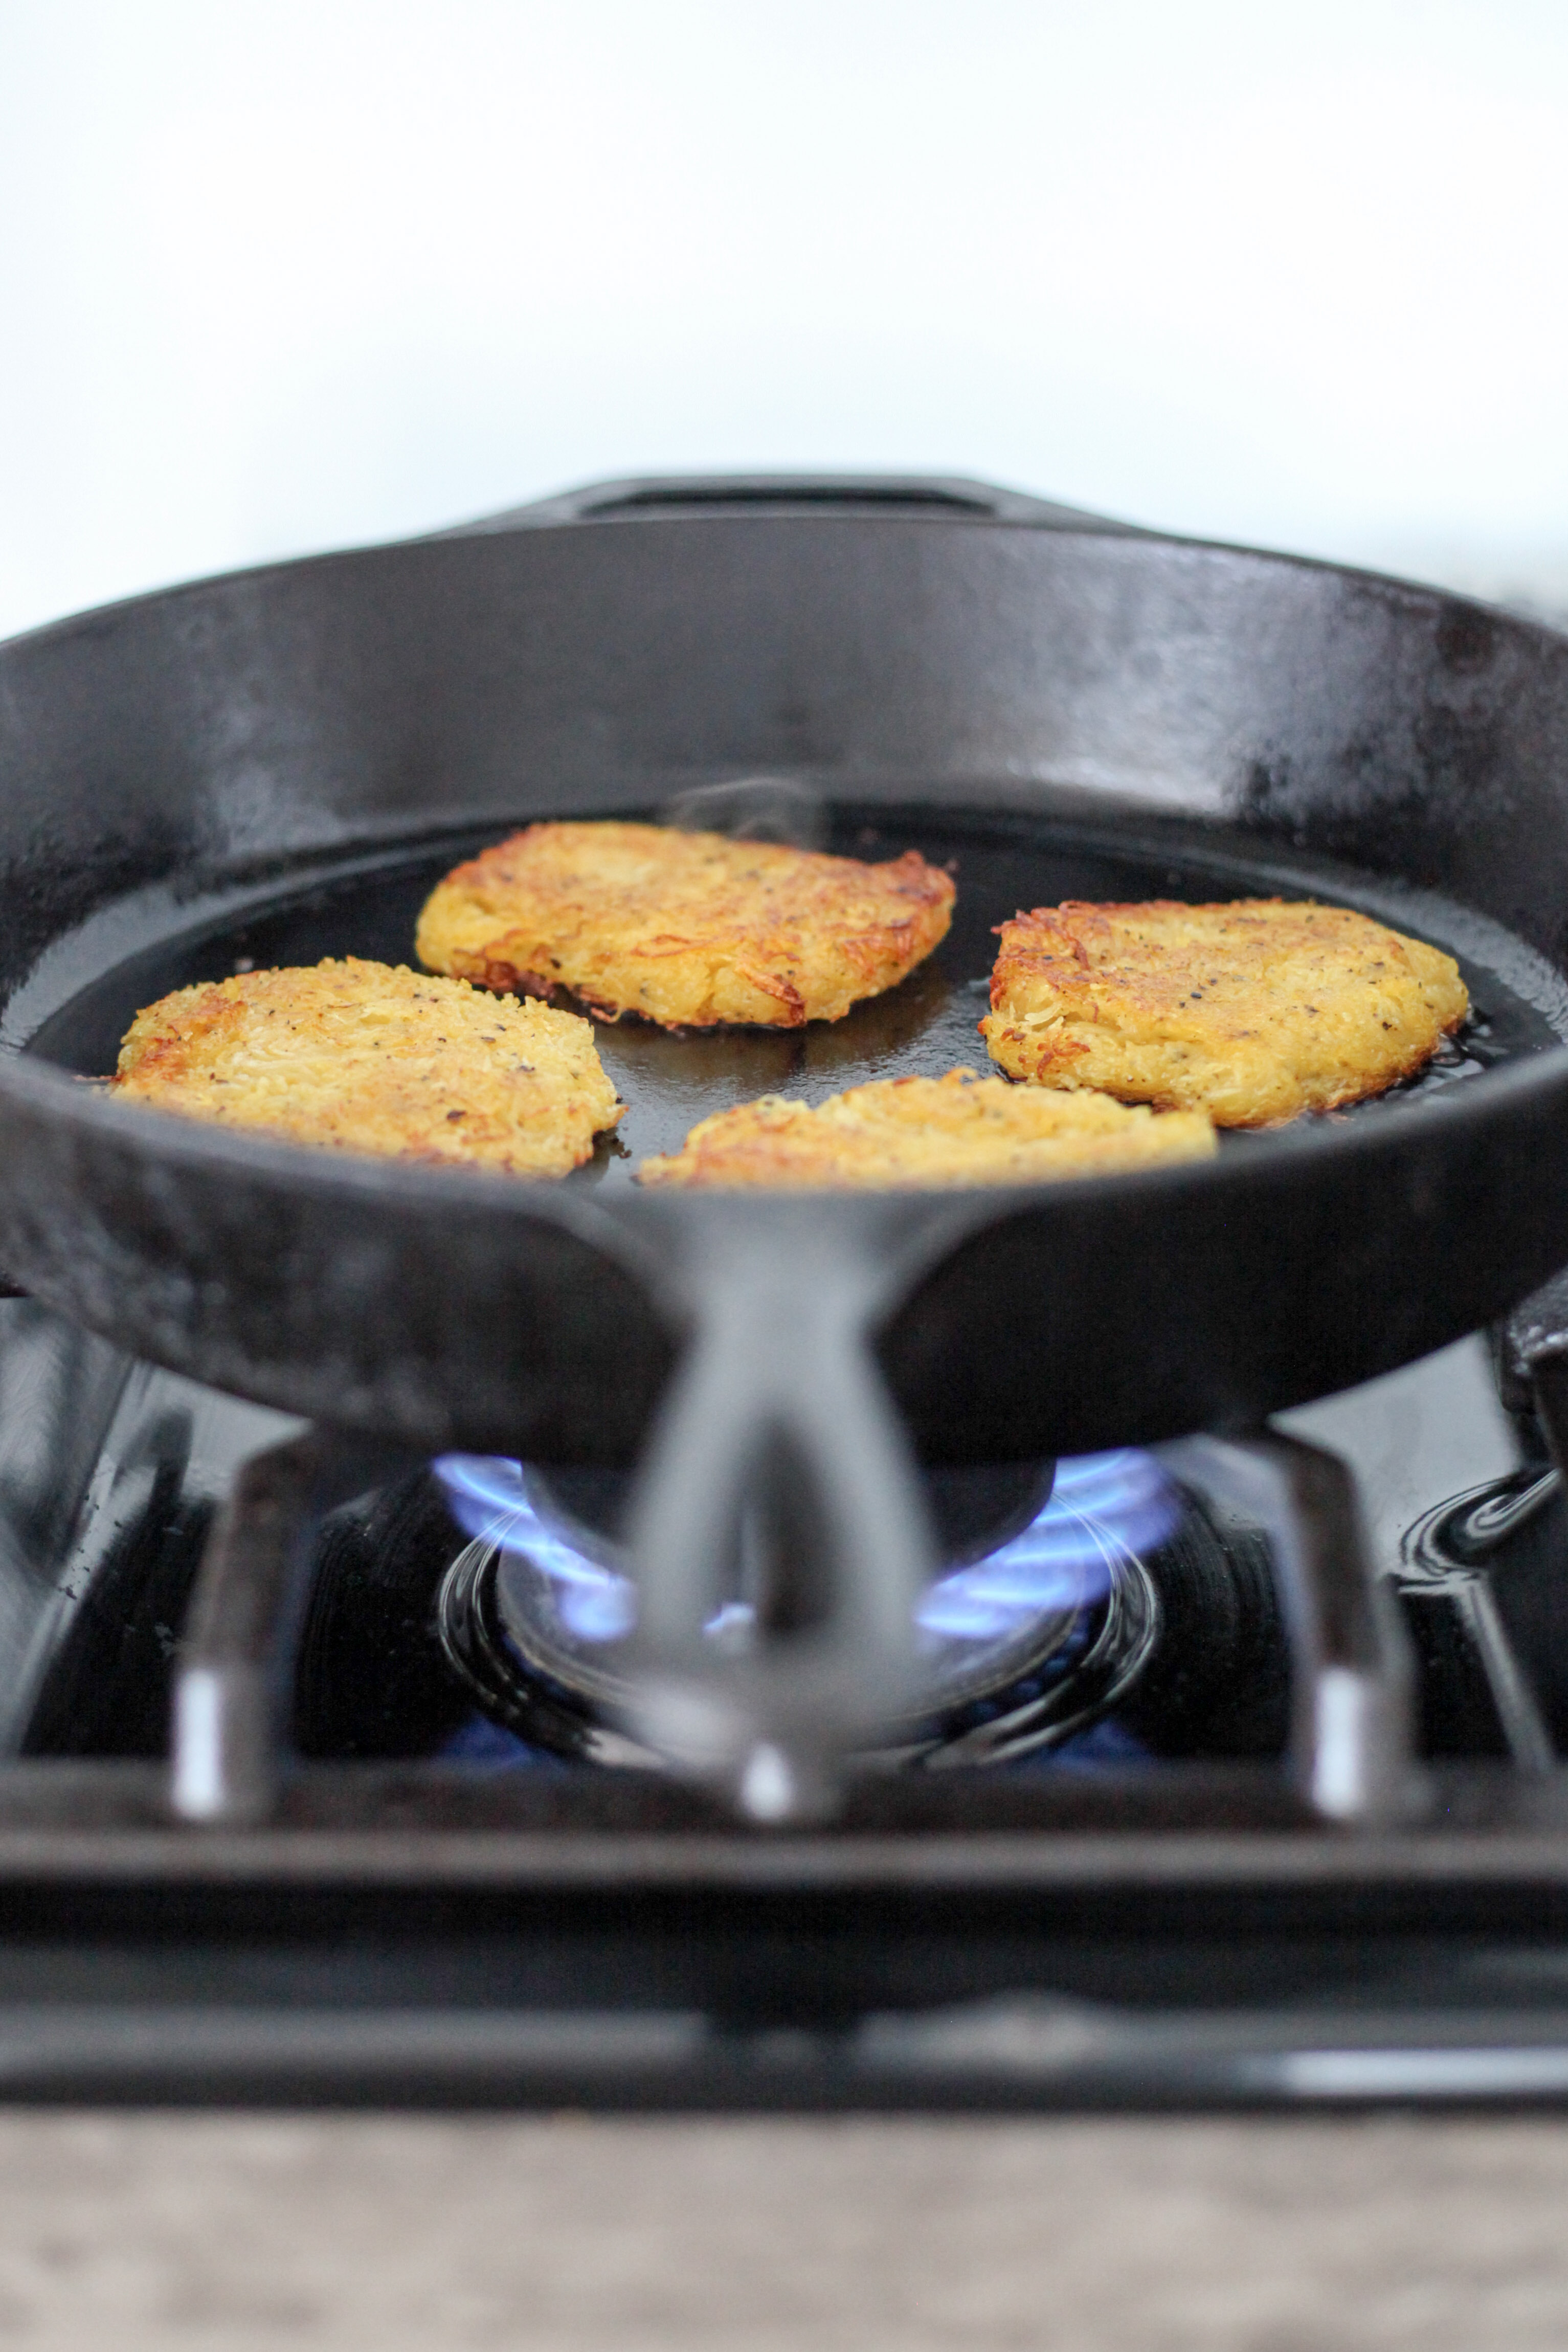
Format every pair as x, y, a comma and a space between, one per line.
275, 765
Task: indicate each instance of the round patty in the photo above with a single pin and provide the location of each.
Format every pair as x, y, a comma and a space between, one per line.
1252, 1011
957, 1130
686, 929
367, 1058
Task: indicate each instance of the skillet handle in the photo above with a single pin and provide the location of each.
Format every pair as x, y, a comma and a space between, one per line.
937, 497
779, 1477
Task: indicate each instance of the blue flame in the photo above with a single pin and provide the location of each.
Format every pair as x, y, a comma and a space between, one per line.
1102, 1506
489, 1497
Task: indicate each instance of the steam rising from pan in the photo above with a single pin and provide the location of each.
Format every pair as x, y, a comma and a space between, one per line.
752, 808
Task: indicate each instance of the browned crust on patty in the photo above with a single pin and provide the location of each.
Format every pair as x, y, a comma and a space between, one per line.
688, 929
957, 1130
366, 1058
1253, 1010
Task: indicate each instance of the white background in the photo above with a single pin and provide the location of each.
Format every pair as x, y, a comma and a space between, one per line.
281, 274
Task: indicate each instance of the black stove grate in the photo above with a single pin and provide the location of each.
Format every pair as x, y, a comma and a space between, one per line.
410, 1914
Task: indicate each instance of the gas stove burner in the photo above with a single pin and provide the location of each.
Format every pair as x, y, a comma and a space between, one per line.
1045, 1616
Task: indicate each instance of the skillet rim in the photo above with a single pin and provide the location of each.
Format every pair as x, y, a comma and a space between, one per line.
719, 517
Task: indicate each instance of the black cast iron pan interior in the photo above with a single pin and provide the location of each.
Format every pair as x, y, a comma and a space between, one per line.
277, 766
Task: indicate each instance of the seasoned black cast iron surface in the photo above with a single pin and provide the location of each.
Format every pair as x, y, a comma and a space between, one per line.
276, 766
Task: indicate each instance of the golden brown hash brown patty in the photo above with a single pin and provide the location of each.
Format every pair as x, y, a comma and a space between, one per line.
1252, 1011
686, 929
367, 1058
958, 1130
